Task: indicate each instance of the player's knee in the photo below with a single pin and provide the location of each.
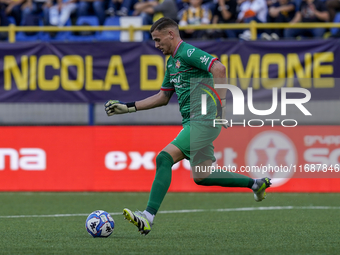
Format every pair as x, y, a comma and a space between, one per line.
199, 181
164, 159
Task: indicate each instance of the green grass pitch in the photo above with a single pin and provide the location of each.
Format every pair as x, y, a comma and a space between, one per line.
284, 223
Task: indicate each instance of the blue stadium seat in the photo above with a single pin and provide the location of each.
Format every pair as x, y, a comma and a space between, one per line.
110, 35
334, 30
22, 36
62, 36
85, 21
59, 36
11, 20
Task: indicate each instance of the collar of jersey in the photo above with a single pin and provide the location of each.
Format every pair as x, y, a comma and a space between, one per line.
179, 44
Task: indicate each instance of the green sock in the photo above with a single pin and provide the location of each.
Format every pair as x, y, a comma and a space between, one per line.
161, 182
227, 179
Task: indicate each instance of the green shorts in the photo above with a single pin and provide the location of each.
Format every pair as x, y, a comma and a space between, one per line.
196, 142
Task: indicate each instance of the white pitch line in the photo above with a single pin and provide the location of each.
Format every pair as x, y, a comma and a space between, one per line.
51, 215
269, 208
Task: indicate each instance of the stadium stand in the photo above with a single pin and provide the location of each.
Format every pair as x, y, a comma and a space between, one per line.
110, 35
86, 35
133, 21
24, 36
335, 31
62, 35
219, 10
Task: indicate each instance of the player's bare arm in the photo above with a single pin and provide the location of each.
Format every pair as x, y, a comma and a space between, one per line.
218, 71
160, 99
113, 107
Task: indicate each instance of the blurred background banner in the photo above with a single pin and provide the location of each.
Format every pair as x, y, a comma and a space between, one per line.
95, 72
119, 158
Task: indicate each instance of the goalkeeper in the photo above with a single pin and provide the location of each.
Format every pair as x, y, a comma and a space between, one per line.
185, 63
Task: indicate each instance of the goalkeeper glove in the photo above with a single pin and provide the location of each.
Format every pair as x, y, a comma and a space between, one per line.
117, 107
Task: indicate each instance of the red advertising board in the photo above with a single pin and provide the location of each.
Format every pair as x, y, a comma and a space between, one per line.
122, 158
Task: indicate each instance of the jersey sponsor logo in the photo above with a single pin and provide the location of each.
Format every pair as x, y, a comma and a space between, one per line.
178, 64
204, 59
176, 79
189, 52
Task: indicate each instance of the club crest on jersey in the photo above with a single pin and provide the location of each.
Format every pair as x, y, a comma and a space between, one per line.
189, 52
178, 64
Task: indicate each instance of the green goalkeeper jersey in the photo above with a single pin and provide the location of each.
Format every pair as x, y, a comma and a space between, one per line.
188, 74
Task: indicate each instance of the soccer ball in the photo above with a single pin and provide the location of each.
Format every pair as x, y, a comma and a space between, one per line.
99, 224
